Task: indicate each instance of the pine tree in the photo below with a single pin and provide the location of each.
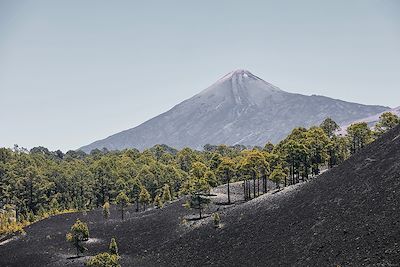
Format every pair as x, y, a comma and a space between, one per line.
136, 187
277, 175
359, 136
198, 201
158, 202
144, 197
113, 248
166, 194
226, 170
329, 126
387, 121
122, 201
198, 189
106, 210
211, 178
79, 233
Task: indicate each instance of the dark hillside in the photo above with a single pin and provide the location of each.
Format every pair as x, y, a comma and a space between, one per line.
349, 216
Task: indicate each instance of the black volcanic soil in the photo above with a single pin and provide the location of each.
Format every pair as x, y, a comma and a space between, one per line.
348, 216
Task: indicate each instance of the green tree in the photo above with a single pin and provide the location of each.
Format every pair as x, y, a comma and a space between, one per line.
144, 197
103, 175
278, 175
122, 201
387, 121
329, 126
214, 161
226, 170
198, 188
135, 191
211, 179
296, 155
166, 194
113, 248
269, 147
78, 234
359, 136
158, 202
317, 143
106, 210
254, 165
185, 158
198, 201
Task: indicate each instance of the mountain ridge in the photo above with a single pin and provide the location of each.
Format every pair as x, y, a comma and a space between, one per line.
239, 108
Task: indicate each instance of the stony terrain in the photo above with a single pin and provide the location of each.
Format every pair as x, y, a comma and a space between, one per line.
240, 108
348, 216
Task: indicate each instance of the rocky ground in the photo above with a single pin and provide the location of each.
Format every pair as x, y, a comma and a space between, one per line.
348, 216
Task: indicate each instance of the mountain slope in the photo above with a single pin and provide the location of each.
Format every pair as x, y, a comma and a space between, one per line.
239, 108
371, 120
348, 216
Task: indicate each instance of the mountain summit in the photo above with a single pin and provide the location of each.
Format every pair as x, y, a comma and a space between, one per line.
242, 86
239, 108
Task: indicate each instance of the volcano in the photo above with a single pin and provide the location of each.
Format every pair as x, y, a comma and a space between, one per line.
240, 108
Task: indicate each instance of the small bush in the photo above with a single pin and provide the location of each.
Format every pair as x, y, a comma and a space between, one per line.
103, 260
216, 219
113, 248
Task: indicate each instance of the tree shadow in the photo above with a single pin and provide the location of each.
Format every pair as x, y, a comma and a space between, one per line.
197, 218
209, 195
224, 203
74, 257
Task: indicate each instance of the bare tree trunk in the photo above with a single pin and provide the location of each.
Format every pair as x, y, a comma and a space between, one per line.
254, 185
229, 194
244, 191
249, 189
265, 190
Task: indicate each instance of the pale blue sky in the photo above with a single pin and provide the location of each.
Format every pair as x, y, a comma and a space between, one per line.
72, 72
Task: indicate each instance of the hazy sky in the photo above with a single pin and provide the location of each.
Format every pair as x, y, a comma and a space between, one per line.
72, 72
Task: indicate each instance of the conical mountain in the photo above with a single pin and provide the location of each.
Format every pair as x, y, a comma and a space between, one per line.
240, 108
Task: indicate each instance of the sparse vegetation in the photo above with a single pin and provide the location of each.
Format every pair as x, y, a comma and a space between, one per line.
78, 234
40, 183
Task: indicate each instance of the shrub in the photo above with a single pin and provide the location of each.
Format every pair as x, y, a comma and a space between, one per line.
113, 247
216, 219
103, 260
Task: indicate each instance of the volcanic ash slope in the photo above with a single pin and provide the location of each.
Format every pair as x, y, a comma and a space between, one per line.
349, 216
